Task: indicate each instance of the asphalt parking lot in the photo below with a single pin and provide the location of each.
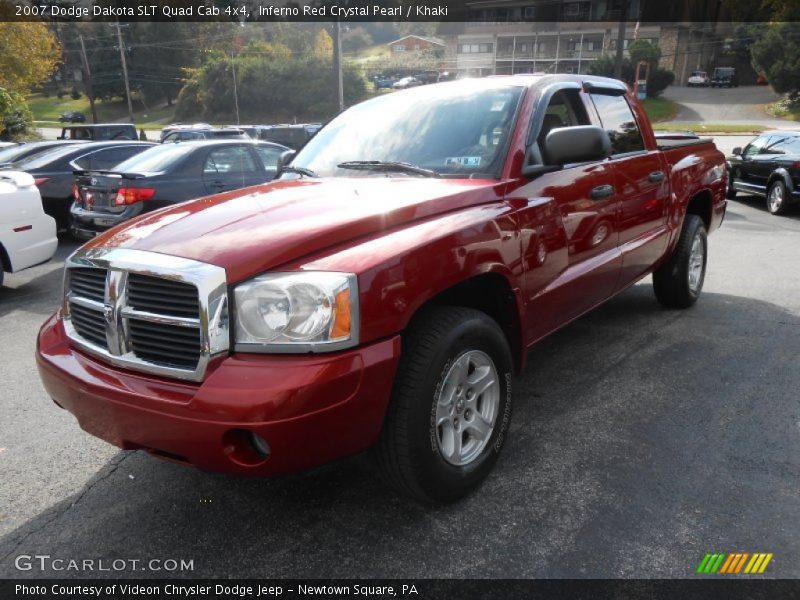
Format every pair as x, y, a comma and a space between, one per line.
643, 438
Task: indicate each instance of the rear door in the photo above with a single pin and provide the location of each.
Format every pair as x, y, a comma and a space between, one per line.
230, 167
641, 185
567, 222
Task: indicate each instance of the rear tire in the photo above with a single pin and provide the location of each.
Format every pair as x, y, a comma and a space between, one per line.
777, 200
450, 407
678, 283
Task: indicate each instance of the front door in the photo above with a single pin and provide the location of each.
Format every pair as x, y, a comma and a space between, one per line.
567, 222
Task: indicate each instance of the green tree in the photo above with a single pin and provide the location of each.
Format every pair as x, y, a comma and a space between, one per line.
29, 54
16, 120
777, 53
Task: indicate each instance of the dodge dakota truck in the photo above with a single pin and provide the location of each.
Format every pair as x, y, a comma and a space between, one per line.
382, 292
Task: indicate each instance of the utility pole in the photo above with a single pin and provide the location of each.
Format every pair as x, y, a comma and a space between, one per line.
235, 90
623, 18
88, 72
125, 72
337, 63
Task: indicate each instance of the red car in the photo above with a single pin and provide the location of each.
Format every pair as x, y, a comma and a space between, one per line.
385, 289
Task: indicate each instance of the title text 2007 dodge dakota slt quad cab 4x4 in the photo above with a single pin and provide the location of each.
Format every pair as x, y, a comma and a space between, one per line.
383, 290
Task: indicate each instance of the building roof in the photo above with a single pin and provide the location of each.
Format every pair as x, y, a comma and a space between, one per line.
436, 41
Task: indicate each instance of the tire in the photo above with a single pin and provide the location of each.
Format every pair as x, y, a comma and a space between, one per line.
678, 283
730, 191
777, 198
417, 453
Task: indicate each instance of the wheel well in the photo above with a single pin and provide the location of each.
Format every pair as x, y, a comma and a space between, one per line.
491, 294
774, 177
5, 261
700, 205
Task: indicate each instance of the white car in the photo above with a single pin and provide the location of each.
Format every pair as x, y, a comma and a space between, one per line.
27, 235
406, 82
699, 79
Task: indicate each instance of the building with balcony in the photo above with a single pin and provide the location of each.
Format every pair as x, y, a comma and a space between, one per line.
567, 36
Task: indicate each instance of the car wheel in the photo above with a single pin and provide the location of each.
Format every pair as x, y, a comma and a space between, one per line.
450, 406
777, 202
730, 191
678, 283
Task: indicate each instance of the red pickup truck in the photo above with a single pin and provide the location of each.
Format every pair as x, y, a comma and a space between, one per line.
381, 293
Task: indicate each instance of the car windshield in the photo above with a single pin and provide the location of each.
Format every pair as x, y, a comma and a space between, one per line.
455, 129
155, 159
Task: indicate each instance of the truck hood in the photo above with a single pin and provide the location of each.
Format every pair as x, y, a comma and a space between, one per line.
251, 230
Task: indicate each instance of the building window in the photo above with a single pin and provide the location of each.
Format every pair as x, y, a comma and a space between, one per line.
476, 48
399, 48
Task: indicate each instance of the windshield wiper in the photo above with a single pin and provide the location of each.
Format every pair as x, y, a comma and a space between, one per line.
298, 170
382, 165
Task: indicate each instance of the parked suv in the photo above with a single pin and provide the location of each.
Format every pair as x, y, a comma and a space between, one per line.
100, 133
769, 166
294, 136
724, 77
192, 134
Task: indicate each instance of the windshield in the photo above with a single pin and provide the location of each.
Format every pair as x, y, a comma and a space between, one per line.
157, 158
455, 129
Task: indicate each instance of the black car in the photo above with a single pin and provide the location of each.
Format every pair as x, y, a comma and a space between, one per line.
18, 152
192, 134
768, 166
294, 136
73, 116
724, 77
52, 170
166, 175
100, 132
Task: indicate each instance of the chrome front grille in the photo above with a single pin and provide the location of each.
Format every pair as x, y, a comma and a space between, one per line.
146, 311
162, 296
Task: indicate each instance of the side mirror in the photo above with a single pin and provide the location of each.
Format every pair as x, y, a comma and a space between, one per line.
582, 143
737, 151
284, 159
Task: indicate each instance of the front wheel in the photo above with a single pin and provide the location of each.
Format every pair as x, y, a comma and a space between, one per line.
450, 406
777, 202
678, 283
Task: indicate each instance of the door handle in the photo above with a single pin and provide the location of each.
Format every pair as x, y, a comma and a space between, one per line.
602, 191
656, 176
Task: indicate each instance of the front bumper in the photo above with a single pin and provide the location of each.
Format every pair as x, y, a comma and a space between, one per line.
310, 409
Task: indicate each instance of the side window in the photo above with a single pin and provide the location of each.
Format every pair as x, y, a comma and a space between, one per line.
756, 146
269, 156
230, 159
565, 109
778, 144
618, 120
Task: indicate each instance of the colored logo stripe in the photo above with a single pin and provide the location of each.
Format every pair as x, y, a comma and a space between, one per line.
732, 563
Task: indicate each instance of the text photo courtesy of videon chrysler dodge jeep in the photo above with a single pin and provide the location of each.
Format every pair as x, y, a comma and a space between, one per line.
490, 299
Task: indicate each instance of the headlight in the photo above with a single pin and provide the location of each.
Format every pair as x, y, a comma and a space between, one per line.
306, 311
